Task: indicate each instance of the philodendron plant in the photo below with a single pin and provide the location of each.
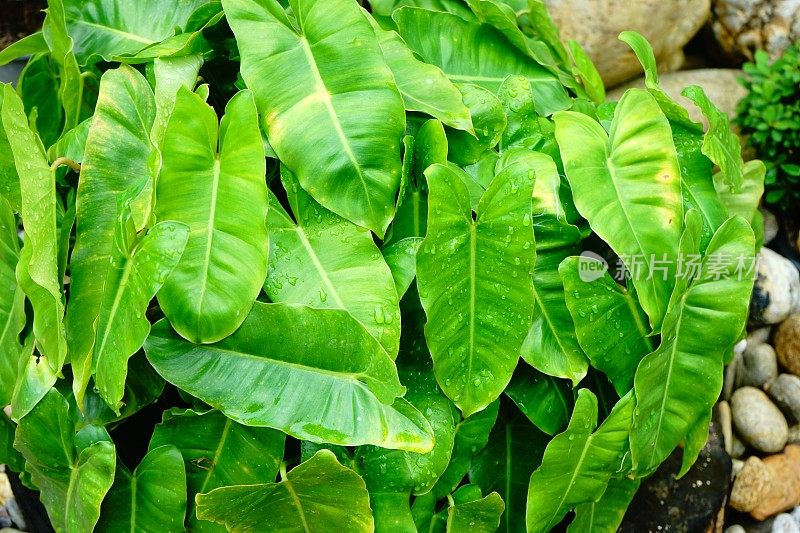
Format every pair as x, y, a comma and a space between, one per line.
393, 266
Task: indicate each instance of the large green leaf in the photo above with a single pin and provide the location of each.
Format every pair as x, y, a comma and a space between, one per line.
423, 87
118, 162
138, 269
326, 262
171, 74
489, 119
152, 499
609, 323
345, 155
27, 46
221, 195
317, 495
37, 269
9, 179
289, 357
720, 144
577, 463
218, 452
12, 304
605, 515
706, 316
72, 472
34, 381
551, 346
476, 325
401, 256
505, 465
476, 53
70, 91
109, 28
627, 185
545, 400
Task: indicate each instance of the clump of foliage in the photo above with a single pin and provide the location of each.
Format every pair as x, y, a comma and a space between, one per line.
338, 248
770, 117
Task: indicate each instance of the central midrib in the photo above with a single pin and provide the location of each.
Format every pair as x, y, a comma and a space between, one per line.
337, 125
212, 214
323, 274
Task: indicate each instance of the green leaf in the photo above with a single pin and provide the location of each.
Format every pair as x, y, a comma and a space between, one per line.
215, 283
284, 355
476, 516
9, 179
218, 452
476, 325
307, 266
103, 29
578, 463
35, 379
545, 400
401, 256
587, 72
317, 495
72, 473
70, 91
471, 52
27, 46
471, 436
668, 401
627, 185
138, 269
505, 465
610, 325
720, 144
697, 185
314, 115
644, 53
516, 96
489, 120
117, 163
745, 202
152, 499
171, 74
605, 515
38, 87
37, 269
397, 471
694, 442
8, 455
550, 346
424, 87
12, 304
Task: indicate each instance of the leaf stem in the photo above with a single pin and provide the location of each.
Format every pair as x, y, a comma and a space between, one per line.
283, 470
65, 161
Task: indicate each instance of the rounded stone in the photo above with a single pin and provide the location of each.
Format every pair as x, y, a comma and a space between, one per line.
750, 485
770, 225
596, 24
776, 293
785, 392
758, 365
784, 523
787, 344
743, 26
758, 422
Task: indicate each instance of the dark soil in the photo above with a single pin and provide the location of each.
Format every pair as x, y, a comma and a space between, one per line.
19, 18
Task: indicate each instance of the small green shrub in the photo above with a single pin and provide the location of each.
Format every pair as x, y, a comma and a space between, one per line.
770, 116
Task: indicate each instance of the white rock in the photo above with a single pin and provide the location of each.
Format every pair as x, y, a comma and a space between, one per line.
784, 523
776, 294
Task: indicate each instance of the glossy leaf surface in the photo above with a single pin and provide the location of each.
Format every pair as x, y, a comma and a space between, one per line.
347, 159
215, 283
304, 388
